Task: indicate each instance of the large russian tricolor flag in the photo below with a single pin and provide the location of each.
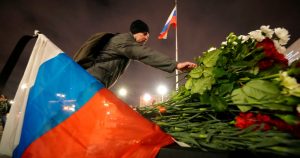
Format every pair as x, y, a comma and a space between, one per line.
171, 21
62, 111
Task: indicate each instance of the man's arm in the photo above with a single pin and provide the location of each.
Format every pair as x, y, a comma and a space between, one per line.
156, 59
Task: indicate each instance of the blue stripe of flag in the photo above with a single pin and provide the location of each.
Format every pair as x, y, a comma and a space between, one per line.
61, 88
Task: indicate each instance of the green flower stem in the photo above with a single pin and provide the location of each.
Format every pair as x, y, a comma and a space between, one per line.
269, 77
185, 120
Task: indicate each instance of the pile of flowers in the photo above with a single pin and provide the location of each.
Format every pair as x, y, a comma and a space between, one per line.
243, 95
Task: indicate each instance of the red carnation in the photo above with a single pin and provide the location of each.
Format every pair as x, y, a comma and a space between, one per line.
265, 64
263, 118
272, 56
268, 46
245, 120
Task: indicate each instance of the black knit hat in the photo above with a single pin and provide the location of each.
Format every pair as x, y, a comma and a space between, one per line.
138, 26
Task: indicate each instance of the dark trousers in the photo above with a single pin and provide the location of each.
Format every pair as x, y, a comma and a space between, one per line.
3, 120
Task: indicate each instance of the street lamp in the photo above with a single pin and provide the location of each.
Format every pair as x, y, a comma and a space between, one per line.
123, 92
162, 90
147, 97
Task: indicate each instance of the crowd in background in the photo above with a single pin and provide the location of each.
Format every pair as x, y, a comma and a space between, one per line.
4, 109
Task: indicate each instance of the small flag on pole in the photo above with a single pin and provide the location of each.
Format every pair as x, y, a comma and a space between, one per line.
172, 20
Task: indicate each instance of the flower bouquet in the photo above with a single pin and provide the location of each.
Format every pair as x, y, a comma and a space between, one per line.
243, 95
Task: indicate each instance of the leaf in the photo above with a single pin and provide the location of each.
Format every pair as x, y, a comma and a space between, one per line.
210, 58
244, 108
222, 61
261, 90
290, 100
218, 103
239, 97
189, 83
196, 73
241, 64
260, 93
208, 72
244, 52
199, 60
273, 106
219, 72
290, 119
202, 84
225, 88
205, 98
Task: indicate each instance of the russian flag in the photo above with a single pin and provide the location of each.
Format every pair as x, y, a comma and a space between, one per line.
172, 20
62, 111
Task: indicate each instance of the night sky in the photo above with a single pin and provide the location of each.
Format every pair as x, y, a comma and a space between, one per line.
201, 24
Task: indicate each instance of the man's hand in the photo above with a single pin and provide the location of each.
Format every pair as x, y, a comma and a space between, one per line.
185, 66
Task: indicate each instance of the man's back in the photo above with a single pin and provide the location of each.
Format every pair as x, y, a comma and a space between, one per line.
88, 51
110, 61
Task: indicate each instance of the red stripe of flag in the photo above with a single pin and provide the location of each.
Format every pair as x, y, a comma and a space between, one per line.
104, 127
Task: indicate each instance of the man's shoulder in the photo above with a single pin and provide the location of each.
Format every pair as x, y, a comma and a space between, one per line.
123, 35
123, 38
99, 35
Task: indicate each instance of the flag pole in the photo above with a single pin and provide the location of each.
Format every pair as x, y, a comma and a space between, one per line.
176, 45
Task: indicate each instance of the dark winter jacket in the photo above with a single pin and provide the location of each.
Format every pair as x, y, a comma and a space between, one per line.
113, 59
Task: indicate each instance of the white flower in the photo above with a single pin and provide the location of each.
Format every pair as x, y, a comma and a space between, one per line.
257, 35
234, 43
268, 32
276, 44
211, 49
278, 47
284, 41
287, 81
243, 38
283, 35
224, 43
290, 83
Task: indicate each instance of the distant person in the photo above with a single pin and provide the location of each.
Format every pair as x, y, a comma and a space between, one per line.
108, 62
4, 109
